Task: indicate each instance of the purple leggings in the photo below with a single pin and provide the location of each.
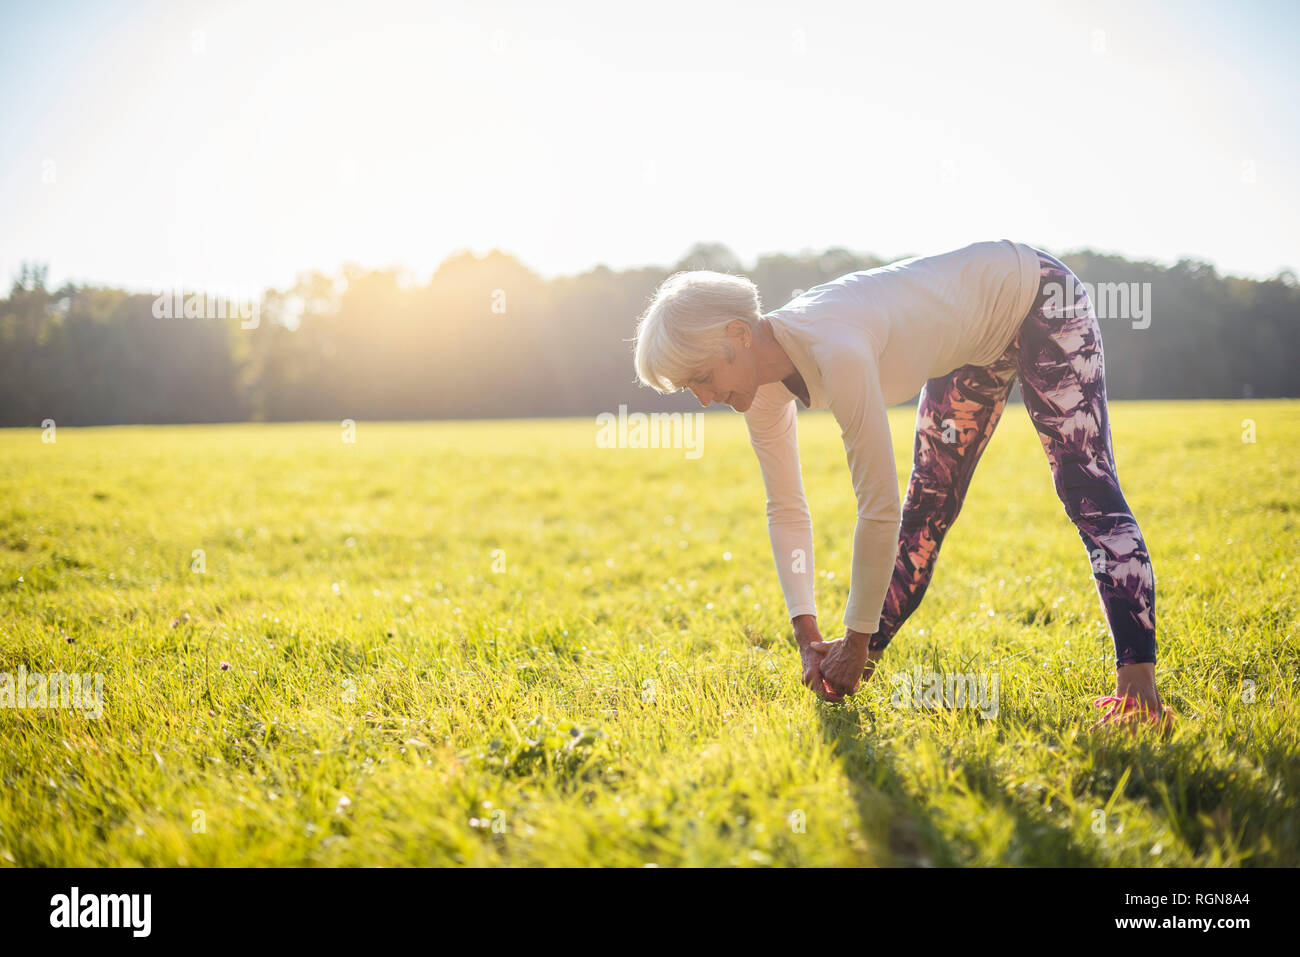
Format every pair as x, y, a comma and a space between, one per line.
1057, 356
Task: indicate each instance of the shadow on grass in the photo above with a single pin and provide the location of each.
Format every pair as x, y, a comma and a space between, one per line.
887, 811
915, 832
1223, 807
1233, 813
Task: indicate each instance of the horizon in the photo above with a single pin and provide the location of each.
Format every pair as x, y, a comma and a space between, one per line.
406, 278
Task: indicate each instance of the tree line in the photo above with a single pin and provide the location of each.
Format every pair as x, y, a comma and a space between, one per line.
486, 337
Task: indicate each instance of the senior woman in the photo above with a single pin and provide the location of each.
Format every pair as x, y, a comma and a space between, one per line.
960, 327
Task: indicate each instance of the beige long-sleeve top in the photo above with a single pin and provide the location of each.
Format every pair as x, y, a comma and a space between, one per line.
863, 342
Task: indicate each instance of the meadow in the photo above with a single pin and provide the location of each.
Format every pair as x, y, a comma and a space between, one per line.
494, 643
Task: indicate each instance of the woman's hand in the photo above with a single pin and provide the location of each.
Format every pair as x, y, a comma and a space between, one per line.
844, 662
806, 635
812, 673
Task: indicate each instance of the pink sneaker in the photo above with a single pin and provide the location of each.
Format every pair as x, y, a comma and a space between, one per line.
1131, 711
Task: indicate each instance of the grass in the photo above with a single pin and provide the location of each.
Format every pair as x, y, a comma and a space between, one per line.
494, 643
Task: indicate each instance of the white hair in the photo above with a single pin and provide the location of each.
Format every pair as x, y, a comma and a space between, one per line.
686, 325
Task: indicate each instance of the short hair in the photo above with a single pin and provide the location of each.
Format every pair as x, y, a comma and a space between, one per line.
686, 324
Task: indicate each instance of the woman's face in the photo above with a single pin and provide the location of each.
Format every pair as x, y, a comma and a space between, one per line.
728, 380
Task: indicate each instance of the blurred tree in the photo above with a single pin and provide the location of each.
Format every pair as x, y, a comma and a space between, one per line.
714, 256
488, 337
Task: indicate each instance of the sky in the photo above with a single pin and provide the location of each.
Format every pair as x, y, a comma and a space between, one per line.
236, 145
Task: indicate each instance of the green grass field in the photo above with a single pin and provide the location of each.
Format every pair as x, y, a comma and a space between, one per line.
494, 643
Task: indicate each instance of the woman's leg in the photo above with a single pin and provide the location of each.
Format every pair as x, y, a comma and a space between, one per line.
1064, 386
954, 421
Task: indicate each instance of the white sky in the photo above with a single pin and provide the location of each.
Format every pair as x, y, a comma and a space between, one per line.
236, 144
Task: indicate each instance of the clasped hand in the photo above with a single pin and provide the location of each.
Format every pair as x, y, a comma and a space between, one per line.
835, 669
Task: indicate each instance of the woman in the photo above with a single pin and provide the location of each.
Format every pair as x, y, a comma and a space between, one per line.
960, 327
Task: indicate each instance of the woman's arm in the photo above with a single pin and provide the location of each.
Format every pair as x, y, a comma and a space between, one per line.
853, 393
774, 436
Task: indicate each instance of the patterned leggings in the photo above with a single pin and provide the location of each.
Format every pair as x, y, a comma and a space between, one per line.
1057, 356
